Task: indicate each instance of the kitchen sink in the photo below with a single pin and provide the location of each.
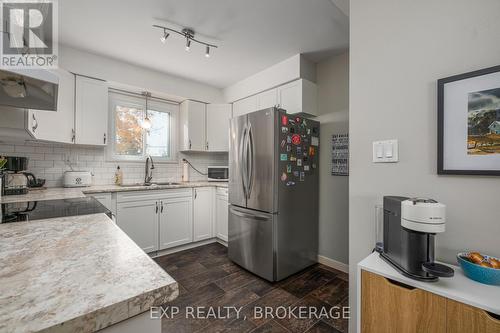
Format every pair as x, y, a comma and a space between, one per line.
150, 184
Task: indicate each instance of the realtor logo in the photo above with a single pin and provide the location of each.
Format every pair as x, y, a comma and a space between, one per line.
29, 34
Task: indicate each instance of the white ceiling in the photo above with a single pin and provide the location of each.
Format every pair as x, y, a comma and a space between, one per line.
255, 34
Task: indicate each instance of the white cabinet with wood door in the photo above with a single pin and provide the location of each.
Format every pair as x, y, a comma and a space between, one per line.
203, 203
91, 111
299, 96
192, 126
176, 221
56, 126
139, 220
218, 127
245, 105
221, 213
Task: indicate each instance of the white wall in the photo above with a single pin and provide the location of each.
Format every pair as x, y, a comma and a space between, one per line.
285, 71
333, 106
125, 74
398, 49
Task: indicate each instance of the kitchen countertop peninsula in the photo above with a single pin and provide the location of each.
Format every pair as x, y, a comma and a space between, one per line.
54, 193
75, 274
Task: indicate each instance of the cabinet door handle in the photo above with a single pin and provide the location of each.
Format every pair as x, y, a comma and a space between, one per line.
35, 124
72, 135
104, 139
195, 193
161, 207
157, 207
189, 144
207, 145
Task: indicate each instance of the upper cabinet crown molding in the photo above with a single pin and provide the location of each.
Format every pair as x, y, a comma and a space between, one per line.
204, 127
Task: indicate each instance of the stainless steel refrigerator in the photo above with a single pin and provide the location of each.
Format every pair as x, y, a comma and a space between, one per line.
273, 193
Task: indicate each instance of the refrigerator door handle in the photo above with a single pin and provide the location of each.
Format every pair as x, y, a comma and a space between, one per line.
250, 216
251, 171
242, 162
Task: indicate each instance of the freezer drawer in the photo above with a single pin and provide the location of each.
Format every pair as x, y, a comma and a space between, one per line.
251, 243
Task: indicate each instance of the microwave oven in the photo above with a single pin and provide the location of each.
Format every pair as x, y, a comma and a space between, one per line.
218, 173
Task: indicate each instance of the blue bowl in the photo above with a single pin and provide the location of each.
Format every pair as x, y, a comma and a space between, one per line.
478, 273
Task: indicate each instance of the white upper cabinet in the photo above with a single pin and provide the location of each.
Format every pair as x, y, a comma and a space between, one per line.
56, 126
268, 99
299, 96
203, 203
204, 127
192, 131
245, 105
91, 111
218, 127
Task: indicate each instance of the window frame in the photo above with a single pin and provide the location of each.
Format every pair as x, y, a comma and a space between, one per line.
121, 99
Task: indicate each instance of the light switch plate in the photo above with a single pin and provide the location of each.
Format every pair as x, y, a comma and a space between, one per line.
385, 151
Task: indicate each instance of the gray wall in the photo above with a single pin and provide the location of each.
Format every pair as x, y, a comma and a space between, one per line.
398, 49
332, 77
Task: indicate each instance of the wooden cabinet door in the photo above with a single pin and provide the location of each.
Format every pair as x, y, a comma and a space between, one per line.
221, 215
245, 105
91, 111
56, 126
387, 306
462, 318
139, 220
218, 127
203, 203
176, 222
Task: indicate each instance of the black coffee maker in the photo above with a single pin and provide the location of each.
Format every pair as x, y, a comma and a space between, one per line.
410, 226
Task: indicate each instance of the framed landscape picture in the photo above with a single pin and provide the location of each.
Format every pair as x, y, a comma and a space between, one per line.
469, 123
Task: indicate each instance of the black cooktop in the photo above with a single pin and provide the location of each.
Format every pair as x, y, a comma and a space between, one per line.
37, 210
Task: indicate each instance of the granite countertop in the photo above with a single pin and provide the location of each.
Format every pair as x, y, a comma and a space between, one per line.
75, 274
54, 193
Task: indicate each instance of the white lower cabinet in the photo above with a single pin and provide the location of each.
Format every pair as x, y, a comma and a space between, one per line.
203, 203
139, 220
176, 227
161, 219
221, 214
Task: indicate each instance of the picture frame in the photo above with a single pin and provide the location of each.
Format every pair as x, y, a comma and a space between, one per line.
469, 123
340, 155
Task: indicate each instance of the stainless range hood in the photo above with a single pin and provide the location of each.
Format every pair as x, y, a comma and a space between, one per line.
29, 89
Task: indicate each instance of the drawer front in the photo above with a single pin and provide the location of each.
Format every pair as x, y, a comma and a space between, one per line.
153, 194
462, 318
387, 306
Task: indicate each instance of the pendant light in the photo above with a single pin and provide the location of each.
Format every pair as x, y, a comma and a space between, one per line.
146, 123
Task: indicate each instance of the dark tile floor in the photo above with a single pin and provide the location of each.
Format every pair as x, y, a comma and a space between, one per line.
207, 278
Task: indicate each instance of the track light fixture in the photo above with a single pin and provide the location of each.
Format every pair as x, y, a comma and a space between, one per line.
165, 36
188, 34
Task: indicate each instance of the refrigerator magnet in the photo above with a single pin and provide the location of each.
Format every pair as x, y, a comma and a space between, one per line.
284, 157
288, 148
290, 183
284, 120
292, 158
299, 162
283, 143
314, 141
288, 139
284, 129
302, 176
289, 168
295, 173
284, 176
296, 139
306, 167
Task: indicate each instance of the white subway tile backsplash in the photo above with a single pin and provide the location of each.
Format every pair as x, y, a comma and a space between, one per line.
49, 161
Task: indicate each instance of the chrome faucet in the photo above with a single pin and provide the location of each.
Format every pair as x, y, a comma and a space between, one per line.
149, 170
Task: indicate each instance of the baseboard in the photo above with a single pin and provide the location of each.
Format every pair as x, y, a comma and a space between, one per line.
221, 241
182, 247
333, 264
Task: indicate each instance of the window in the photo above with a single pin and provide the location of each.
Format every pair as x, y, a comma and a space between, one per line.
130, 141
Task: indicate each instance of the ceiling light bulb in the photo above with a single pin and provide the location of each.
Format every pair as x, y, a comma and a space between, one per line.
164, 37
146, 123
188, 44
207, 53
